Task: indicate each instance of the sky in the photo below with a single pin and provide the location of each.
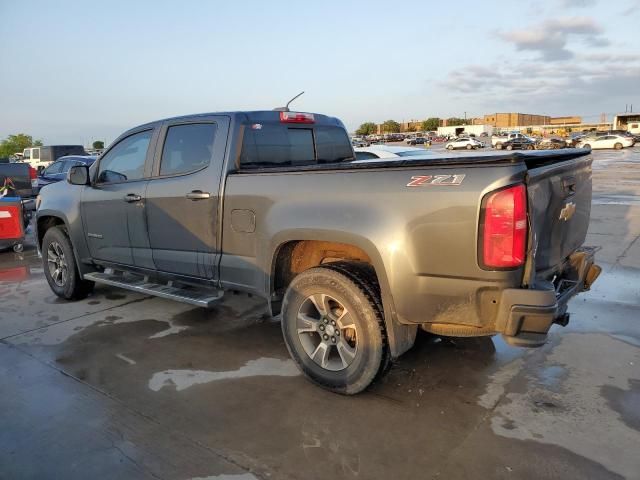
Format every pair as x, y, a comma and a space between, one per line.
77, 71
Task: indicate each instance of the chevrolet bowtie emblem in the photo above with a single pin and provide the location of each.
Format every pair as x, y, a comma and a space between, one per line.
567, 212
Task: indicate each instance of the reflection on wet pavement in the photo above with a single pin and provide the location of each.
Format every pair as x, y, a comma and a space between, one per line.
183, 379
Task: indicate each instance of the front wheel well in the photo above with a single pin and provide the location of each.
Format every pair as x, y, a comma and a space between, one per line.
45, 223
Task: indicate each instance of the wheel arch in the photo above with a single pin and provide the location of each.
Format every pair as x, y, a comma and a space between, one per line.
45, 221
295, 254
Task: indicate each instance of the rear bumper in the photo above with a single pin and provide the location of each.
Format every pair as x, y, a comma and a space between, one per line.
526, 315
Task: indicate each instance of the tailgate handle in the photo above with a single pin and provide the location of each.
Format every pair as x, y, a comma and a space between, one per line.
569, 185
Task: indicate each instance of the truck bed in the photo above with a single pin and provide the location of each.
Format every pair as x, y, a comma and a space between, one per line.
532, 159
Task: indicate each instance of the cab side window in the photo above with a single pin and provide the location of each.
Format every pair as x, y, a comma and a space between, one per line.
187, 148
125, 161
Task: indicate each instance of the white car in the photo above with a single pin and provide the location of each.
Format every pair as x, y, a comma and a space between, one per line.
607, 141
376, 152
468, 143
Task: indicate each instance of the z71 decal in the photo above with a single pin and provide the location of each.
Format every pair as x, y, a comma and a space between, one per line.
420, 180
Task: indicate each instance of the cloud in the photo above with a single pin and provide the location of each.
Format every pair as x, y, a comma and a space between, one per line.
633, 7
595, 81
577, 3
550, 38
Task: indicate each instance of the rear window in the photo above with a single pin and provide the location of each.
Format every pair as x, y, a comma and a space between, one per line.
412, 153
282, 145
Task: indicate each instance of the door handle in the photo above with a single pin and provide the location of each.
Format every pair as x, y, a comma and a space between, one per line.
132, 197
198, 195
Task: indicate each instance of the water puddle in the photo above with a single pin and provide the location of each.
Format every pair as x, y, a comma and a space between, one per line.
183, 379
568, 406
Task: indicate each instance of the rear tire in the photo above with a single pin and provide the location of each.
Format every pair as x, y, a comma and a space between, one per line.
530, 147
509, 147
334, 298
469, 147
586, 145
60, 268
498, 146
618, 146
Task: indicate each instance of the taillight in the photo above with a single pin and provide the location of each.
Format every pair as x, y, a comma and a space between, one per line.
33, 175
296, 117
503, 228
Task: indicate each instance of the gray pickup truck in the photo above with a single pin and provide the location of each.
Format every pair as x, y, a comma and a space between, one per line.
354, 256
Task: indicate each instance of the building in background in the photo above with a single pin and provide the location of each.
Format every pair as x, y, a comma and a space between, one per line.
461, 130
514, 119
629, 122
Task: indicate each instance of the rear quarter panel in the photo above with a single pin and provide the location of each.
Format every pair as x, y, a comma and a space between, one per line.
422, 240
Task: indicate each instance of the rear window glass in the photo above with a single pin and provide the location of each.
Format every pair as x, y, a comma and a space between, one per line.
333, 145
282, 145
412, 153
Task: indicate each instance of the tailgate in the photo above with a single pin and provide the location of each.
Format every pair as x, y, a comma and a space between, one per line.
559, 198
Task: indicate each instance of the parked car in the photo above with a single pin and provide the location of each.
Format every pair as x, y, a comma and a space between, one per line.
468, 143
573, 140
551, 143
418, 141
352, 257
58, 170
616, 142
42, 157
498, 140
519, 143
375, 152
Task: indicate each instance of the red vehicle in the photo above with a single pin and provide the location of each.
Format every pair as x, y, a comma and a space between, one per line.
11, 223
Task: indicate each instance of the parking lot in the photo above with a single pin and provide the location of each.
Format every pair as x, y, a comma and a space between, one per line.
122, 385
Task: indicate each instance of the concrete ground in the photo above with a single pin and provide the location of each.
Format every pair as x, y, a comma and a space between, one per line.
126, 386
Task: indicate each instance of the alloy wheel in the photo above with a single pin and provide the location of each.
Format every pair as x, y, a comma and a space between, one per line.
327, 332
58, 268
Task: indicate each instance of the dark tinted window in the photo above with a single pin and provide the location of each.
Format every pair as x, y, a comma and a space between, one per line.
187, 148
282, 145
125, 161
277, 145
333, 145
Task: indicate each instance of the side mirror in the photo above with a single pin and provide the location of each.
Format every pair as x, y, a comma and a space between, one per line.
78, 175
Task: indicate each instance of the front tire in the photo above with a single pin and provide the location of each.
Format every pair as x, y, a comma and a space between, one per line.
469, 147
618, 146
60, 267
449, 147
498, 146
333, 327
509, 147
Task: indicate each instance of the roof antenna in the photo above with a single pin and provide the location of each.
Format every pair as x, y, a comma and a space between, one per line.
286, 107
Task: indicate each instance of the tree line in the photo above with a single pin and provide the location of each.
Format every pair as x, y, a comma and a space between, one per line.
391, 126
17, 143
